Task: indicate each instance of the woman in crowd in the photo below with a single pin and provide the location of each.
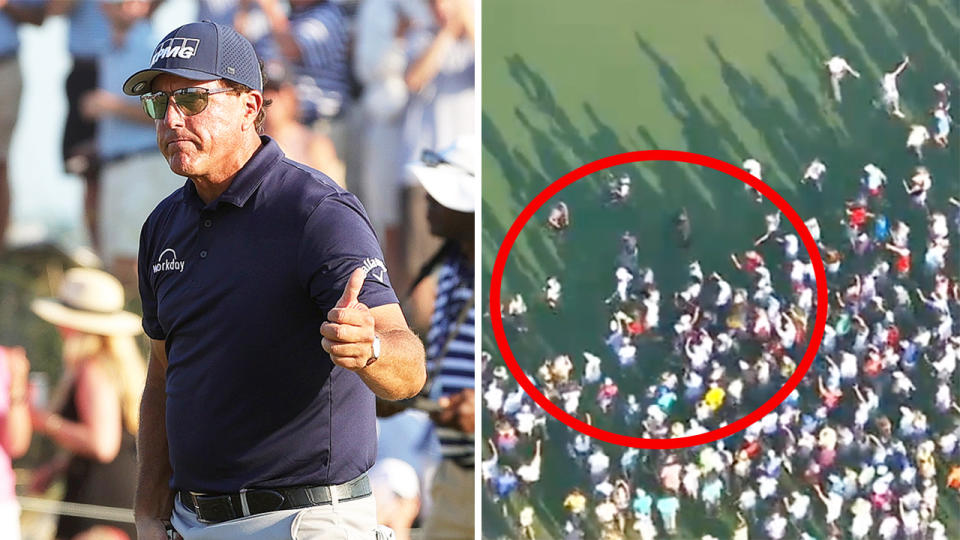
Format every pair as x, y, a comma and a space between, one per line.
92, 416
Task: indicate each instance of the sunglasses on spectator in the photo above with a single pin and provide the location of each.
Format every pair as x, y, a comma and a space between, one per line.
433, 159
190, 100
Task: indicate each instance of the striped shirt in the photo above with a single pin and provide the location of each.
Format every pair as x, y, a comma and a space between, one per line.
323, 72
453, 372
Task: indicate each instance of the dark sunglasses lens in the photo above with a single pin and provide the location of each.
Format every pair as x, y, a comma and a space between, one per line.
155, 105
191, 103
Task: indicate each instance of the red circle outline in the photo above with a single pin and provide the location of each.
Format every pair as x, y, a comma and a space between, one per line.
657, 155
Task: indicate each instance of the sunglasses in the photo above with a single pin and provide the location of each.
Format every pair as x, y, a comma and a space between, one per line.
433, 159
190, 100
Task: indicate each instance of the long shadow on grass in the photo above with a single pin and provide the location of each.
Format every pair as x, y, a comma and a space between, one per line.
938, 45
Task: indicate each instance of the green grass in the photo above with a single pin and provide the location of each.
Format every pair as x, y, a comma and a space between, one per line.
565, 83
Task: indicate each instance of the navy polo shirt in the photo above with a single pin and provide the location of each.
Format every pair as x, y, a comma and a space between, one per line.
238, 289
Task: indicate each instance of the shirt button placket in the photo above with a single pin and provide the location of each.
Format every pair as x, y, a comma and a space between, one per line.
206, 223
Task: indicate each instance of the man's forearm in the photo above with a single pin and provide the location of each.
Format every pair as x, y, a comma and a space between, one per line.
154, 498
401, 371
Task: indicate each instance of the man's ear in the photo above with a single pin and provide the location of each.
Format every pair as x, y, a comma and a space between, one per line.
252, 104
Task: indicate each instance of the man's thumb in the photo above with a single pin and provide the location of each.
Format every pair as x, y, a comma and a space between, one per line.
352, 291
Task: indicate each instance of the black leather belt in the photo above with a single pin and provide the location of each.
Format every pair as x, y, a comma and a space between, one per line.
217, 508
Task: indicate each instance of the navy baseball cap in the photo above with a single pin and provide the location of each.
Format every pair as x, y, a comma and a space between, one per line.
200, 51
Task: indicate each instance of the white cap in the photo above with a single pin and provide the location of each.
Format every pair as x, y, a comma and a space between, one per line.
451, 180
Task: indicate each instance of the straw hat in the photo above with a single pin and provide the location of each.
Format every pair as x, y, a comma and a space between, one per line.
90, 301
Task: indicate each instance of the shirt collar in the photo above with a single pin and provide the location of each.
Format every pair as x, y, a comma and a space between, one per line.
247, 179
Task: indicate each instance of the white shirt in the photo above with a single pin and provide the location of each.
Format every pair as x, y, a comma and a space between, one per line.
493, 397
581, 443
723, 293
799, 506
604, 489
592, 371
791, 246
772, 221
814, 227
606, 511
860, 527
553, 289
571, 401
837, 66
530, 472
834, 506
766, 487
889, 84
776, 526
938, 226
598, 463
918, 135
874, 176
525, 421
526, 517
815, 169
889, 527
516, 306
848, 365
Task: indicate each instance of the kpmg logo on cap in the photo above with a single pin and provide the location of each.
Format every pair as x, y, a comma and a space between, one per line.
176, 47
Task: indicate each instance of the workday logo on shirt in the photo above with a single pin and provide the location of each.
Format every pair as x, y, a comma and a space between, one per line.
168, 261
176, 47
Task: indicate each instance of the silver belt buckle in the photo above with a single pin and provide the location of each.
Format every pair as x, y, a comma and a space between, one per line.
244, 507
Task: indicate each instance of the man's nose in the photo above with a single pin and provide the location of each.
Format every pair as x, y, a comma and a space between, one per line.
172, 116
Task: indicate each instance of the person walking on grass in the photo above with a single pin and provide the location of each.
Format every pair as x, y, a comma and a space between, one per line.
837, 67
814, 174
890, 95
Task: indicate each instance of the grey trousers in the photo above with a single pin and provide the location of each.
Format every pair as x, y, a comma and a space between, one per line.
351, 520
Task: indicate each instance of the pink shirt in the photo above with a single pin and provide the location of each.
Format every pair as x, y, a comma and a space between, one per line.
7, 480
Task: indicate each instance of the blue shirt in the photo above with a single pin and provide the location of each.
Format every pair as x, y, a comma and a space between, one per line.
668, 505
323, 72
218, 11
642, 505
117, 136
238, 289
89, 35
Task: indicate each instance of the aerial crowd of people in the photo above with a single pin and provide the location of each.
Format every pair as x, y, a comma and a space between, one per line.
852, 452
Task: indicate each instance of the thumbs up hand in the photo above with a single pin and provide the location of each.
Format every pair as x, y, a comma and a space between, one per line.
348, 333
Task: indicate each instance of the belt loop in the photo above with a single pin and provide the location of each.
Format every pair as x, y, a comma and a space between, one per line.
244, 507
334, 495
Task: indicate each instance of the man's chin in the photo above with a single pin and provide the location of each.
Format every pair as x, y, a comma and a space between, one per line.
180, 166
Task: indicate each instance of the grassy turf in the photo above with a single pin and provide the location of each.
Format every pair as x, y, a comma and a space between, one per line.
565, 83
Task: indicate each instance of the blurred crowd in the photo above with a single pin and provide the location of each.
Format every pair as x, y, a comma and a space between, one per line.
358, 89
868, 445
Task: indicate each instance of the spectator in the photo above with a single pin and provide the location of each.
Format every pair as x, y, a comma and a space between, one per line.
380, 61
315, 40
126, 141
15, 434
12, 12
88, 38
93, 415
439, 77
297, 141
448, 178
